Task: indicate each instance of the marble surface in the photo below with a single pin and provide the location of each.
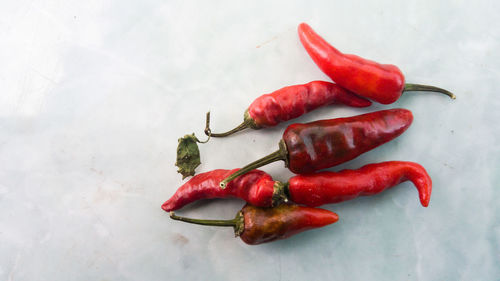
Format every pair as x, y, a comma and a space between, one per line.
94, 95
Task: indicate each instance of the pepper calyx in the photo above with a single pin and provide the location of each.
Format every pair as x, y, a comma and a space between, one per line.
239, 225
279, 193
249, 121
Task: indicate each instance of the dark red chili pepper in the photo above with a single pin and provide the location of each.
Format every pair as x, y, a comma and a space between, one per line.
258, 188
291, 102
306, 148
383, 83
331, 187
256, 225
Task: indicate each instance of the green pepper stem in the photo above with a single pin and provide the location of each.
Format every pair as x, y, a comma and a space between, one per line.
238, 128
248, 122
232, 222
280, 154
427, 88
199, 141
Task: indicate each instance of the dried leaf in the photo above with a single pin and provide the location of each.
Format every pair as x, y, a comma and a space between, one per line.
188, 155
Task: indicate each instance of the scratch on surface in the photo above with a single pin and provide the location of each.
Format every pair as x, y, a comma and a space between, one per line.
22, 92
275, 37
279, 256
416, 235
43, 75
137, 70
14, 268
268, 41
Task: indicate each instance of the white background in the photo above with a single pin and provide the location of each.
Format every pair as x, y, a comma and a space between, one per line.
95, 94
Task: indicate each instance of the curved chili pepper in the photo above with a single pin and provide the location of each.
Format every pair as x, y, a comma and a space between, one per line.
306, 148
291, 102
313, 190
256, 225
383, 83
333, 187
255, 187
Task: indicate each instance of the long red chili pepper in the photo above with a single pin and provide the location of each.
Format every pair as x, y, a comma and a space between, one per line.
291, 102
306, 148
333, 187
258, 188
383, 83
256, 225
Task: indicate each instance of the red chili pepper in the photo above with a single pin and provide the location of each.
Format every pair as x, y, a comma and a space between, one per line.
256, 225
306, 148
331, 187
258, 188
255, 187
383, 83
291, 102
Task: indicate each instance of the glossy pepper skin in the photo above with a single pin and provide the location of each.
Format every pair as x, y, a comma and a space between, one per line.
327, 143
383, 83
257, 225
310, 147
255, 187
268, 224
333, 187
291, 102
312, 190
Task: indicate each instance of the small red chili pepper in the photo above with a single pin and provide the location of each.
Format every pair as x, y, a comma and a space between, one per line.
383, 83
291, 102
310, 147
256, 225
258, 188
255, 187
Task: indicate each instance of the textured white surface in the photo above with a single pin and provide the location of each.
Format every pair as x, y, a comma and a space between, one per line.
94, 95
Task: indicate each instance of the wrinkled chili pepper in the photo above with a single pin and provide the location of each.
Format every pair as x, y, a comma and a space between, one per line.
291, 102
268, 110
306, 148
258, 188
256, 225
255, 187
383, 83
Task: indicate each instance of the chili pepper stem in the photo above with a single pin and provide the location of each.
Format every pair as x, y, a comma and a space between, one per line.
237, 223
280, 154
427, 88
204, 222
248, 122
199, 141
